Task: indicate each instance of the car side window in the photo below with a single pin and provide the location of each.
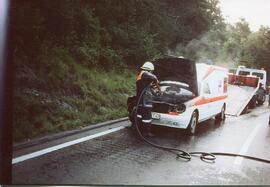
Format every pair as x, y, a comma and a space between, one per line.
206, 89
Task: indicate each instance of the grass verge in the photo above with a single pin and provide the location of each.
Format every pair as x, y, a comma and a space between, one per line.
81, 97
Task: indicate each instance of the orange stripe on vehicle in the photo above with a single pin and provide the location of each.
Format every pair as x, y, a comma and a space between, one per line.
211, 69
219, 68
196, 99
174, 113
202, 100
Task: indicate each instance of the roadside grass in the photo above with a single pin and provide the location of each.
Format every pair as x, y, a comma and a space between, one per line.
86, 96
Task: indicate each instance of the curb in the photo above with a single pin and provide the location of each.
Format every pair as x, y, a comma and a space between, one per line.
48, 138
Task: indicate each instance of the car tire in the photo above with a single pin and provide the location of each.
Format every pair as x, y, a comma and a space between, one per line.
192, 124
221, 116
260, 102
245, 111
252, 103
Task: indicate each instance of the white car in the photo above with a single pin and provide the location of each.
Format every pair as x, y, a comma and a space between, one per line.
191, 93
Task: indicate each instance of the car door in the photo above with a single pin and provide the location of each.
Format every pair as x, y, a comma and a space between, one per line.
205, 107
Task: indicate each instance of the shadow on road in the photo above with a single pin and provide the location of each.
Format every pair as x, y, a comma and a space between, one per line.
174, 136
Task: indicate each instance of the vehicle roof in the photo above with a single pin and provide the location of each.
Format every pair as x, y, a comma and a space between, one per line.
251, 69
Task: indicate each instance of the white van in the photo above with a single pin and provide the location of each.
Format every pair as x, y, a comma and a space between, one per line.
191, 93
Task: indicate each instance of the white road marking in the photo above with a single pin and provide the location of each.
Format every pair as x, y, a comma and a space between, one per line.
61, 146
247, 143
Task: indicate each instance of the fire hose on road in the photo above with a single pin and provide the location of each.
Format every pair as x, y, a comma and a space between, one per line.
204, 156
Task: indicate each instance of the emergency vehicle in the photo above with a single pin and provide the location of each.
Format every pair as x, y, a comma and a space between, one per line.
260, 95
191, 93
248, 83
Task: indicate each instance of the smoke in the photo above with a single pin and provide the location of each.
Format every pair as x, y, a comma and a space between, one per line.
209, 48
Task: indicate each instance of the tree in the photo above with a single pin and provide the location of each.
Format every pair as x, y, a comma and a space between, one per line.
236, 36
257, 49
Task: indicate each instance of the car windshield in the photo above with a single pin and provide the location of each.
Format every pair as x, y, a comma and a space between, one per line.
258, 74
244, 72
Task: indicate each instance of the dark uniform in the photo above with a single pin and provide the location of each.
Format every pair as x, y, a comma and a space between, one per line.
144, 79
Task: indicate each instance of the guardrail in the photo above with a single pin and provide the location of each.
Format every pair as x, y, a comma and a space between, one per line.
48, 138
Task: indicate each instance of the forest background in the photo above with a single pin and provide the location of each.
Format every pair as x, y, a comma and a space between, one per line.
75, 61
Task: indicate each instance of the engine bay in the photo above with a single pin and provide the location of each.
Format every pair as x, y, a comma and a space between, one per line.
173, 96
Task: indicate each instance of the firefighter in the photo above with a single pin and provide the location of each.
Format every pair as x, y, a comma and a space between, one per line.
145, 79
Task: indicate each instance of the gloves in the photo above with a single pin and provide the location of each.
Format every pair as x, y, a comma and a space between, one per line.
155, 89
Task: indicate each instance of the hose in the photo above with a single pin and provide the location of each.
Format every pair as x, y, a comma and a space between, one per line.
204, 156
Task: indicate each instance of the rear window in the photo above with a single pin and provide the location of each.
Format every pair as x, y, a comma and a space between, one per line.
258, 74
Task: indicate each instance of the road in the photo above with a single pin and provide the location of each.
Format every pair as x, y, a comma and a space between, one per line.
122, 158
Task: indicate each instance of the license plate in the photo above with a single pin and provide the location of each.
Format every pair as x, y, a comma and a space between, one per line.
155, 116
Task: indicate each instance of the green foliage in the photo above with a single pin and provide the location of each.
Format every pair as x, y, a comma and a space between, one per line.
75, 59
110, 32
230, 45
256, 51
103, 97
247, 48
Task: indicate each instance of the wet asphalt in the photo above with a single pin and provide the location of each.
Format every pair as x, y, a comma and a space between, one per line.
122, 158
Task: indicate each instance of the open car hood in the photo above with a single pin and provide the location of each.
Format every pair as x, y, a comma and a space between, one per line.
177, 69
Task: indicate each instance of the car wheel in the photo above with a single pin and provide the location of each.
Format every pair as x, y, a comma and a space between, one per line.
252, 103
245, 111
192, 124
260, 102
221, 116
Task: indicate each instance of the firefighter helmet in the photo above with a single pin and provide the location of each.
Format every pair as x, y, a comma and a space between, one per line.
148, 66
